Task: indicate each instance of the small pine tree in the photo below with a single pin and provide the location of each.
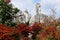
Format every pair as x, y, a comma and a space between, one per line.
7, 12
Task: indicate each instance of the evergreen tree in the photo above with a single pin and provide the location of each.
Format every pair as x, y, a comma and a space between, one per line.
7, 12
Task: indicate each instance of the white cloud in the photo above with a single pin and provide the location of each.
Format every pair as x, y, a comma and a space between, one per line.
30, 5
48, 4
23, 4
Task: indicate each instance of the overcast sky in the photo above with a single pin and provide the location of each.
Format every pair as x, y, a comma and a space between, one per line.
46, 5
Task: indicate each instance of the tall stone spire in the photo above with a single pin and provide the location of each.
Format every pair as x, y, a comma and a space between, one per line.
38, 10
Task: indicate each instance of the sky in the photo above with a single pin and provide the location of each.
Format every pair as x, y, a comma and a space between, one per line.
46, 6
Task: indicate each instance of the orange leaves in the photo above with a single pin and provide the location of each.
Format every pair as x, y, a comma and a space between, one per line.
42, 36
50, 29
57, 34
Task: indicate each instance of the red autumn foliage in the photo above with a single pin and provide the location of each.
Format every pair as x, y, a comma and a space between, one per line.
6, 39
23, 29
44, 34
21, 26
18, 32
5, 31
30, 28
1, 26
36, 26
1, 36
